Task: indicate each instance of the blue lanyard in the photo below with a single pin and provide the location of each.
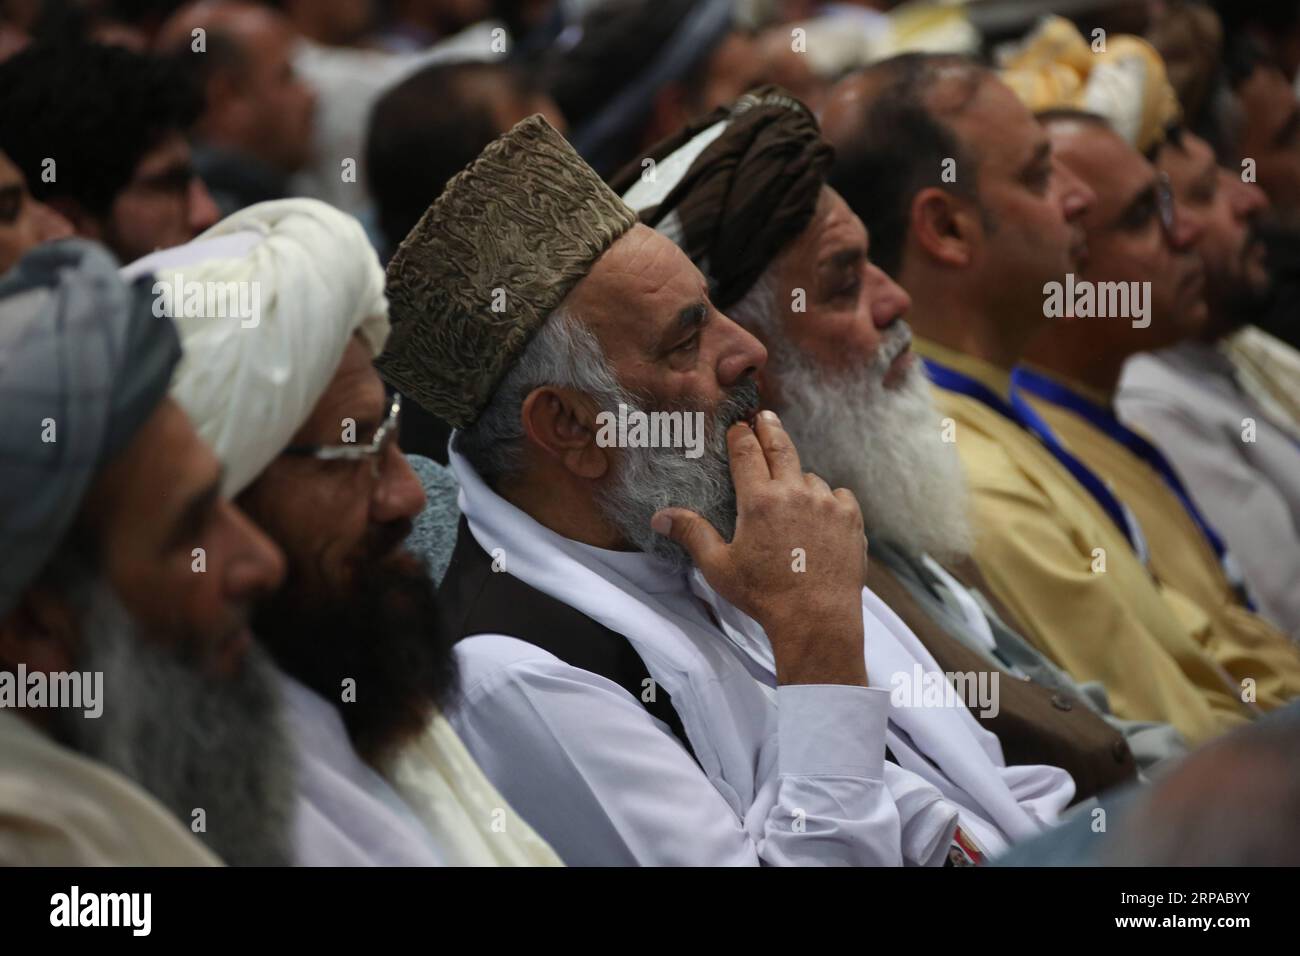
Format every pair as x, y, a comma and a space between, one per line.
1104, 419
1020, 412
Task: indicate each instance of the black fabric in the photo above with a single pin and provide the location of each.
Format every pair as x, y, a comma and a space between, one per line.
478, 600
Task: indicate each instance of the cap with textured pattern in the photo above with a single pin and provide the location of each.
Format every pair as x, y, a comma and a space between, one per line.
493, 256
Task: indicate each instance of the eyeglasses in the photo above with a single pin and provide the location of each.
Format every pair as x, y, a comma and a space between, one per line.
373, 451
1165, 203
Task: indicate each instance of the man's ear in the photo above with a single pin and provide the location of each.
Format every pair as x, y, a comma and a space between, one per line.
562, 423
40, 632
943, 227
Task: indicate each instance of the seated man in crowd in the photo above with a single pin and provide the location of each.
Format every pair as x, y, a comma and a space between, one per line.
1240, 464
122, 561
289, 399
1143, 243
787, 259
99, 133
645, 691
640, 69
24, 222
975, 249
255, 130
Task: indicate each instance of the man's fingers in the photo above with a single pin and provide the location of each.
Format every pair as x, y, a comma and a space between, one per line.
748, 464
782, 458
815, 482
700, 539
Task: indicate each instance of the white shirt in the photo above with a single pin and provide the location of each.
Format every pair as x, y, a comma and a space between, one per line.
787, 775
347, 814
1186, 401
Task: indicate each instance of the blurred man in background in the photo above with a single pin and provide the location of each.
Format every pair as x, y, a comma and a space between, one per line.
100, 135
255, 130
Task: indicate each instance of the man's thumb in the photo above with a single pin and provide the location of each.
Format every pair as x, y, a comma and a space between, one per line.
692, 532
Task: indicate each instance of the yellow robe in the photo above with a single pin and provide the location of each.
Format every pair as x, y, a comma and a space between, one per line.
58, 808
1039, 537
1243, 643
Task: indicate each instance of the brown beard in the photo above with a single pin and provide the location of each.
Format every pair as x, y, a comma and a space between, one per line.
384, 632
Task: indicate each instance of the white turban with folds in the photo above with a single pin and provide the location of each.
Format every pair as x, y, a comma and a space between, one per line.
250, 379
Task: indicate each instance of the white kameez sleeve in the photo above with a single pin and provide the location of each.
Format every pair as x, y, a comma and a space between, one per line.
606, 784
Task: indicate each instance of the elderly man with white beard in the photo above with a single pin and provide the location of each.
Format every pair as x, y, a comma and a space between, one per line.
664, 660
789, 262
288, 396
110, 500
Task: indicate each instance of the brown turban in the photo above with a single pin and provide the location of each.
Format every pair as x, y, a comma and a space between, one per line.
734, 188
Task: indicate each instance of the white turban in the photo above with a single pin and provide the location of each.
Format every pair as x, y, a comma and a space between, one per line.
260, 355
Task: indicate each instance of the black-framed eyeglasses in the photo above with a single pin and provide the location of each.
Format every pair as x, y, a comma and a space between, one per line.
373, 451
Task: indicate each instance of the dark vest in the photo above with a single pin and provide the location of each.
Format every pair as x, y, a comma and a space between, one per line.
478, 600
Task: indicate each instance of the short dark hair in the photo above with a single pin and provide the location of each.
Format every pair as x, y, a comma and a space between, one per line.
899, 147
96, 110
425, 130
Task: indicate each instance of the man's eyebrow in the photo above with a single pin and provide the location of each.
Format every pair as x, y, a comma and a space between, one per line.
196, 508
842, 258
1042, 153
691, 317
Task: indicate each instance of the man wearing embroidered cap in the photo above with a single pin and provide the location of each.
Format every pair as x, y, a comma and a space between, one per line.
662, 656
111, 509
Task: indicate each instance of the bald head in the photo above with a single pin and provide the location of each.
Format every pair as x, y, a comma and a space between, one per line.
242, 54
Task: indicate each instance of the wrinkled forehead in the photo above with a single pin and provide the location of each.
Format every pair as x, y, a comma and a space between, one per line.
636, 290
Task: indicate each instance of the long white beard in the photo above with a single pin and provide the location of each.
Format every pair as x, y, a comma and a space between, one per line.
883, 444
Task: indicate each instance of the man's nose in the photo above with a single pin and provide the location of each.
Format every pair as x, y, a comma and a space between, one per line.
1188, 229
743, 355
398, 493
257, 564
1077, 196
889, 300
203, 208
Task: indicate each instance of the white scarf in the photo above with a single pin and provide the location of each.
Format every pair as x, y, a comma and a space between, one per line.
712, 689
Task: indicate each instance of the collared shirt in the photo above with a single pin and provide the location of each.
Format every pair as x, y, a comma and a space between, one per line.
1241, 469
787, 775
1057, 560
1182, 558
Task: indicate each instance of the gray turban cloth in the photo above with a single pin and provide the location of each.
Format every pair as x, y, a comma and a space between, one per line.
84, 361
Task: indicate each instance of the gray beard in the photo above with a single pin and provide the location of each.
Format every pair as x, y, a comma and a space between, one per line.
648, 479
883, 444
191, 741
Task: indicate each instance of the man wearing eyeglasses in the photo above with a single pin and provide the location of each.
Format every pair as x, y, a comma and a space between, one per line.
974, 215
296, 411
1138, 233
